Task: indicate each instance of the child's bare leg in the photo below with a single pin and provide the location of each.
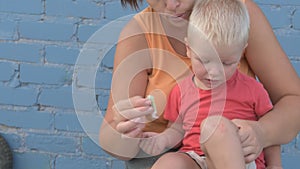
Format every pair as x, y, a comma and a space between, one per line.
221, 144
175, 161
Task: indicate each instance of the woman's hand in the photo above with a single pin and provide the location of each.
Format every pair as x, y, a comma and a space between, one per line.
252, 138
122, 126
129, 115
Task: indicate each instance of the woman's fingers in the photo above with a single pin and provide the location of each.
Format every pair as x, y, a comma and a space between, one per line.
251, 138
131, 108
249, 158
248, 153
133, 102
128, 126
242, 129
129, 116
133, 133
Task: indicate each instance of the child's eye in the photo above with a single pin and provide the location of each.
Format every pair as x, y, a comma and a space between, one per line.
198, 59
227, 63
204, 61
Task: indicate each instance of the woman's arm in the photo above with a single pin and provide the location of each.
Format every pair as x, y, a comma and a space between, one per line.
273, 157
118, 133
274, 70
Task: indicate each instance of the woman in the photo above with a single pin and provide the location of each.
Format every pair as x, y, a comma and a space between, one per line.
141, 64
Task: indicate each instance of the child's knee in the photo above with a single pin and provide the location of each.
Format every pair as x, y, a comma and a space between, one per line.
216, 126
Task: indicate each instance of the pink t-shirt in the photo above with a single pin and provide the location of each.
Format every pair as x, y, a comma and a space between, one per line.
245, 99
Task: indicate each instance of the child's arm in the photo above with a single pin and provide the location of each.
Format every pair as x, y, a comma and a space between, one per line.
272, 157
175, 134
156, 143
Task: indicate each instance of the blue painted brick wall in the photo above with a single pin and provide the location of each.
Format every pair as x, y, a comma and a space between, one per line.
49, 31
8, 29
27, 119
67, 121
40, 41
78, 8
61, 55
13, 6
24, 160
21, 96
60, 97
43, 74
9, 69
296, 18
21, 52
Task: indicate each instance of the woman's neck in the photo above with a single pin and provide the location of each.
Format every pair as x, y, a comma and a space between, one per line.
176, 32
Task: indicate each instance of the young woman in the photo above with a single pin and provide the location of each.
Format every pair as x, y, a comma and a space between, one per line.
150, 58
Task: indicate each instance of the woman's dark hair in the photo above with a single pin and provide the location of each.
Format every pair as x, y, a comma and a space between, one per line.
134, 4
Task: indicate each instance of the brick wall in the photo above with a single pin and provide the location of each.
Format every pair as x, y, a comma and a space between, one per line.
40, 41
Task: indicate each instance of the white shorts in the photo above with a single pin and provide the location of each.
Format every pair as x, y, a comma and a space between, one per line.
200, 160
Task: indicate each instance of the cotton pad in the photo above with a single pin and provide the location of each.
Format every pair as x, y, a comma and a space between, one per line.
154, 114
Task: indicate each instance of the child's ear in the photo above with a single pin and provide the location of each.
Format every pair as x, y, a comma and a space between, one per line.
244, 50
185, 40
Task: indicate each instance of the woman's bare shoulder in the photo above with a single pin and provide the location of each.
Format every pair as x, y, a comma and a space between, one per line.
267, 58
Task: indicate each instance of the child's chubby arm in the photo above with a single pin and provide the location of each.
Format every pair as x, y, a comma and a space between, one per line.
272, 157
156, 143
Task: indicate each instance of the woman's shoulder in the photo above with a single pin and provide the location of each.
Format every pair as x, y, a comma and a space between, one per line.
148, 19
252, 7
137, 24
147, 9
145, 13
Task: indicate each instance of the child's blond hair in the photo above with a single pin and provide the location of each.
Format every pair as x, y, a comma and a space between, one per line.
222, 22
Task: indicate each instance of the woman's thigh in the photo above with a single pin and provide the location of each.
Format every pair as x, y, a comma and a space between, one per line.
176, 160
145, 161
141, 163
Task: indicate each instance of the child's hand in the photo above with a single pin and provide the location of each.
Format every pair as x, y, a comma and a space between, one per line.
153, 143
